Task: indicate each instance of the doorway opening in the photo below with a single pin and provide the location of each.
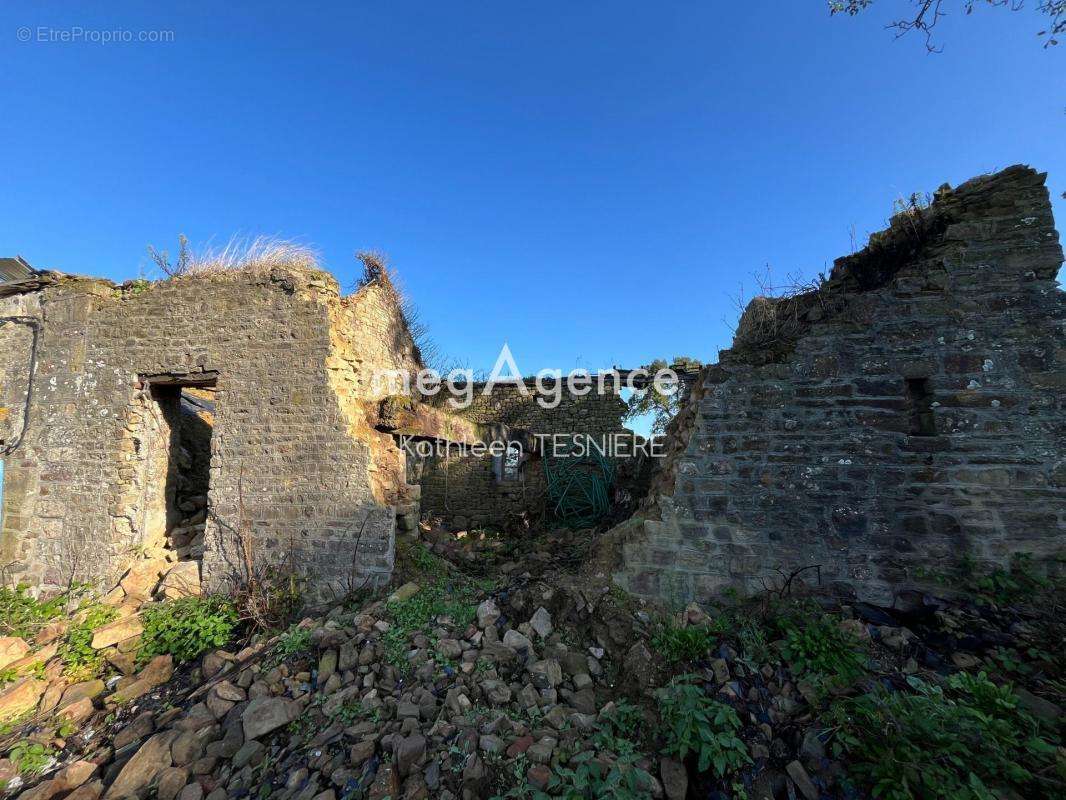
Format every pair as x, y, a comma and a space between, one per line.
182, 477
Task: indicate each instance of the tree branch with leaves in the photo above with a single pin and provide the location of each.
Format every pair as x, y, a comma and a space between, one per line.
925, 14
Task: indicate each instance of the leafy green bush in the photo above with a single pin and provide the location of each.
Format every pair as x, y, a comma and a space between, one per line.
965, 741
815, 646
695, 723
31, 758
186, 627
588, 777
21, 615
609, 769
683, 644
80, 661
1005, 586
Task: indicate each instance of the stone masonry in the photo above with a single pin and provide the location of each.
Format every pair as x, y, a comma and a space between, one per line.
909, 413
293, 461
465, 490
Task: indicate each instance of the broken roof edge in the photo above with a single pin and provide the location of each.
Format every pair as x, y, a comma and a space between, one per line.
14, 269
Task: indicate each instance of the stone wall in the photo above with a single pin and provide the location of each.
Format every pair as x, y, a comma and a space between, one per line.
83, 489
464, 491
908, 414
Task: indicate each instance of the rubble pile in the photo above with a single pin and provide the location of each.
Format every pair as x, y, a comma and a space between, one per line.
456, 687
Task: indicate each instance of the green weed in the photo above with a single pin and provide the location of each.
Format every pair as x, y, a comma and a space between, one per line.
21, 615
683, 644
452, 598
186, 628
816, 648
80, 661
967, 740
696, 724
31, 758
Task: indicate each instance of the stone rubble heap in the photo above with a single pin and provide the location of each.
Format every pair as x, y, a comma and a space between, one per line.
361, 709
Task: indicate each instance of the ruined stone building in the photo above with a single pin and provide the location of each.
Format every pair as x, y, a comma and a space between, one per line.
909, 412
903, 414
222, 417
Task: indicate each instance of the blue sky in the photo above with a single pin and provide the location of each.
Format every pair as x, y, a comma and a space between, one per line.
590, 182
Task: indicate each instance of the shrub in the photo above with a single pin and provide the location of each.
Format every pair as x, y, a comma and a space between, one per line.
967, 740
21, 615
80, 661
587, 777
683, 644
815, 646
31, 758
696, 724
1004, 587
187, 627
609, 769
270, 599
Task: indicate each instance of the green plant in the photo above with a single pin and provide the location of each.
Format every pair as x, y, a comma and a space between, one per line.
292, 642
31, 758
186, 627
8, 675
608, 770
1003, 586
624, 719
815, 646
590, 777
663, 406
683, 644
454, 598
354, 711
967, 740
22, 615
303, 727
139, 286
424, 561
80, 661
696, 724
755, 649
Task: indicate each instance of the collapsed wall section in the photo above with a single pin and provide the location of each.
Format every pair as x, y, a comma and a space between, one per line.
909, 414
372, 346
289, 483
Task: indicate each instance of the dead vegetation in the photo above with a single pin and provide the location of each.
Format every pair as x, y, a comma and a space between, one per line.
256, 255
376, 270
779, 315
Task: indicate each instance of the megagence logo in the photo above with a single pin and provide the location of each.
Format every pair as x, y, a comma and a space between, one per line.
548, 386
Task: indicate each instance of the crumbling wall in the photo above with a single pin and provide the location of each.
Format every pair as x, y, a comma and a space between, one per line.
908, 414
370, 341
464, 491
282, 446
17, 317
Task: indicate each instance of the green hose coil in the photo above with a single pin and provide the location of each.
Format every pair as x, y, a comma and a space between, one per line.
579, 488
